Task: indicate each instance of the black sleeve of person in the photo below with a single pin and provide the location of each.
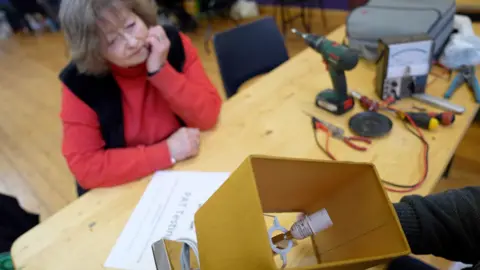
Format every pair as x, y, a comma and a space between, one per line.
445, 225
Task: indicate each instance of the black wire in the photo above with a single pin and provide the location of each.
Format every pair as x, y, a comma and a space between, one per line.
318, 143
426, 159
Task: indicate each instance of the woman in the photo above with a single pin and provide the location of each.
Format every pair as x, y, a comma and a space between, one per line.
134, 96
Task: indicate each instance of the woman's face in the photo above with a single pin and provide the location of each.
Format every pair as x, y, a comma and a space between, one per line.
124, 43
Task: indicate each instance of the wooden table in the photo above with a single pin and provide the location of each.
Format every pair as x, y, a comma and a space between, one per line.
468, 6
265, 118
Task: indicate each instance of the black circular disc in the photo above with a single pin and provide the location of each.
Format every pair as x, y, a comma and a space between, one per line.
370, 124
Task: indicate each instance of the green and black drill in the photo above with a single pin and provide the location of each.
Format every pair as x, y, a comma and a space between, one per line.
337, 58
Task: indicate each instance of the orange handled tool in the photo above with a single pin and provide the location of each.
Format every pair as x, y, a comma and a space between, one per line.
349, 141
319, 125
338, 133
445, 118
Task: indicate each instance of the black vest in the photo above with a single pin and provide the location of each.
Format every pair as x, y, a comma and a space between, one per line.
103, 95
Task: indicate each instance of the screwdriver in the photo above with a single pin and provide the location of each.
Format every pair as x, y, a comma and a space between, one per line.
421, 119
425, 119
445, 118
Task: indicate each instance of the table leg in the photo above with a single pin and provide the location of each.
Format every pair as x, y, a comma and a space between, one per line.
447, 170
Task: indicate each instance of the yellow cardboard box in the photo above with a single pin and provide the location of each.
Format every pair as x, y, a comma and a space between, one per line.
232, 233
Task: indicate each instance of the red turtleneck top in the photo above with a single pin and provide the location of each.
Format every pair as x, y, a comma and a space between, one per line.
149, 107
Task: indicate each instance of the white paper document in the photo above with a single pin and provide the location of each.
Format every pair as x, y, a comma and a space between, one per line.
166, 210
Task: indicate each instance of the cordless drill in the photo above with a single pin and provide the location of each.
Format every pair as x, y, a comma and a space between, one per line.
337, 58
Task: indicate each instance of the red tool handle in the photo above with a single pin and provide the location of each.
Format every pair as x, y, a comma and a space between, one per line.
360, 139
348, 141
445, 118
319, 125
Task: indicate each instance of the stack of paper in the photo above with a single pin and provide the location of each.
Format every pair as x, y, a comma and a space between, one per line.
166, 210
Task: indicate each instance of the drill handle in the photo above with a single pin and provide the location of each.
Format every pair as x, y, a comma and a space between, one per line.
339, 82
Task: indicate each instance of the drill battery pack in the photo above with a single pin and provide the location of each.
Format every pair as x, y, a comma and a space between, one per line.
329, 100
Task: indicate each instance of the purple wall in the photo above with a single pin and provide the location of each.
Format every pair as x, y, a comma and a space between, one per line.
330, 4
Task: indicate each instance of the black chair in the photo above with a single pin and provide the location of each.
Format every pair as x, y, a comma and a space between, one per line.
247, 51
80, 189
14, 221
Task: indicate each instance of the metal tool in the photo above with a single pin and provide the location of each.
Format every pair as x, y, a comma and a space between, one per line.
420, 119
440, 103
348, 140
466, 74
338, 58
338, 133
331, 127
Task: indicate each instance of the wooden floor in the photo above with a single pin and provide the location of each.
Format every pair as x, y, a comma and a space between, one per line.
31, 165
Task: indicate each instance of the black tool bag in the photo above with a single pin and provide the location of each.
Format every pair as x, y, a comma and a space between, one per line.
391, 18
14, 221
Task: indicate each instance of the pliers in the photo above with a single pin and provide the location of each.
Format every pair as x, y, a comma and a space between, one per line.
348, 140
338, 133
466, 74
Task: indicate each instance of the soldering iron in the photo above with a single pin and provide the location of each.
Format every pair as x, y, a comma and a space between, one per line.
338, 58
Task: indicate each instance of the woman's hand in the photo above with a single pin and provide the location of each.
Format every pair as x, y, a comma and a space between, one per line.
159, 48
184, 143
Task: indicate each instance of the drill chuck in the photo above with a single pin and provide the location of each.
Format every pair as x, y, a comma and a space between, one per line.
338, 56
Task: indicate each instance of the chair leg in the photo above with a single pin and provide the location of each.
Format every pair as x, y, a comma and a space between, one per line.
208, 33
322, 15
235, 21
275, 12
306, 25
282, 15
310, 18
289, 19
446, 173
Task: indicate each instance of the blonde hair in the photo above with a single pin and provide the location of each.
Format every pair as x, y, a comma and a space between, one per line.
79, 20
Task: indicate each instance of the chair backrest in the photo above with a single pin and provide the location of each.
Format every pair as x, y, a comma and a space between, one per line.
247, 51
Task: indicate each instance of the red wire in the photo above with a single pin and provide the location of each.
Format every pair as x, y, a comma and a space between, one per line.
420, 135
425, 158
327, 146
